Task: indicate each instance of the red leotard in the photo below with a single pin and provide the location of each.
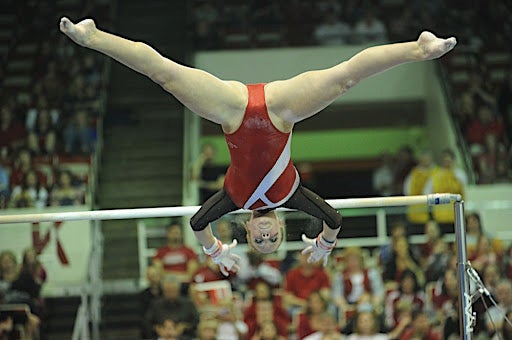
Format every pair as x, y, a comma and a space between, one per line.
260, 158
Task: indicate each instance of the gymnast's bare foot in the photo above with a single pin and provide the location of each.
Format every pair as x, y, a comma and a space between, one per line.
433, 47
81, 33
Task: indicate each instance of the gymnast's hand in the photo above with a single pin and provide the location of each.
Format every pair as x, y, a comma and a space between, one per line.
318, 248
81, 33
221, 255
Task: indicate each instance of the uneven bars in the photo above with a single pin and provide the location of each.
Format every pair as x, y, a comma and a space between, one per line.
120, 214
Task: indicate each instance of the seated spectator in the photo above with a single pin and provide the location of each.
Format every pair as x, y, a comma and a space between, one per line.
386, 252
383, 176
266, 307
231, 325
366, 327
207, 329
507, 263
403, 259
405, 162
506, 330
421, 328
8, 270
30, 194
301, 281
484, 255
65, 193
474, 231
355, 280
310, 318
30, 281
43, 148
40, 116
504, 100
5, 191
409, 292
488, 160
77, 134
434, 253
444, 295
376, 323
370, 29
167, 329
484, 124
171, 305
494, 318
12, 133
22, 165
175, 257
328, 329
466, 110
332, 31
267, 331
152, 292
208, 175
491, 276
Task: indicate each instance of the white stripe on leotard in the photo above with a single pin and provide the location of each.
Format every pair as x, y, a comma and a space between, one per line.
270, 178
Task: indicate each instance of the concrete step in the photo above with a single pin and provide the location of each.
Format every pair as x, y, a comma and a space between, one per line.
124, 154
120, 202
140, 186
110, 172
162, 132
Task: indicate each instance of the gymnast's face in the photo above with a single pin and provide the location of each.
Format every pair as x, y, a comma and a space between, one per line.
264, 231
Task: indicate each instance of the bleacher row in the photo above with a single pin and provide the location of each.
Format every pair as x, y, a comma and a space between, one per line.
50, 103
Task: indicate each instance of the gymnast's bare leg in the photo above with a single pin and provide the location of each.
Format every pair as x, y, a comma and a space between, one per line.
306, 94
224, 102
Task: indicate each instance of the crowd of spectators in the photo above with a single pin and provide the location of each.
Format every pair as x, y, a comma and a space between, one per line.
252, 24
50, 126
398, 291
483, 114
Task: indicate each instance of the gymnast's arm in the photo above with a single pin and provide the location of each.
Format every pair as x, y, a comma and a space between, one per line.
203, 93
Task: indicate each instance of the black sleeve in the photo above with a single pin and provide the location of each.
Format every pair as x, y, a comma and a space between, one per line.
218, 205
307, 201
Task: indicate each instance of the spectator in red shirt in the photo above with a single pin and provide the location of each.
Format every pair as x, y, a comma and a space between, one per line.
409, 292
176, 258
309, 320
266, 307
302, 280
484, 124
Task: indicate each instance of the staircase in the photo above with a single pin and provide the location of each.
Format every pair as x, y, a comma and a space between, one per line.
141, 163
59, 318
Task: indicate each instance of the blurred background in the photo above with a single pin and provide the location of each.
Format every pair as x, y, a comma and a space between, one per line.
81, 132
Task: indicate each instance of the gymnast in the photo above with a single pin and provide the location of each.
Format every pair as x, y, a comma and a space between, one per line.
257, 121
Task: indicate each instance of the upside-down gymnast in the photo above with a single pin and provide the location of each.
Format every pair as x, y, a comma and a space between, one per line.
257, 121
